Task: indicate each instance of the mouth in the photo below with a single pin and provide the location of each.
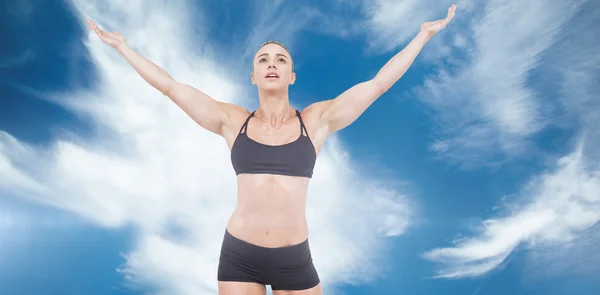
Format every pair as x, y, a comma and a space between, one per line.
271, 76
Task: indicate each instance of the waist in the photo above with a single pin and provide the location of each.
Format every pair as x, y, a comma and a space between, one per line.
270, 210
268, 236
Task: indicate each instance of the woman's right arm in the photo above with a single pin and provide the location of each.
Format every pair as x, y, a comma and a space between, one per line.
209, 113
203, 109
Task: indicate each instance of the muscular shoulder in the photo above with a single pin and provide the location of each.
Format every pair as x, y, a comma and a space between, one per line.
312, 114
235, 112
312, 117
235, 117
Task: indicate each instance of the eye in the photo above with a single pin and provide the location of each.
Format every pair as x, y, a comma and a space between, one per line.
262, 60
282, 60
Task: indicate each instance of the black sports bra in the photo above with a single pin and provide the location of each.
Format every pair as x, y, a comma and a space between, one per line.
296, 158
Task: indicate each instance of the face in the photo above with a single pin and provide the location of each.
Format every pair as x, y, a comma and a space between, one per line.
272, 68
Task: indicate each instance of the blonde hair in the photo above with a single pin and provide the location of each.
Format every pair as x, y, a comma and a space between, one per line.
277, 43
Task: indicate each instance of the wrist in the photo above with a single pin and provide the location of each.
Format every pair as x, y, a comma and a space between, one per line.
425, 35
121, 47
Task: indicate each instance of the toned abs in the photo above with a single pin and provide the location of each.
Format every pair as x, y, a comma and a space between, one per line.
270, 210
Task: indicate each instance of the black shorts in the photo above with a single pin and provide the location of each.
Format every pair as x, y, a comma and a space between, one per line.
283, 268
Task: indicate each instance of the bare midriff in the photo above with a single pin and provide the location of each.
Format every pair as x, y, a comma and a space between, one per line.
270, 210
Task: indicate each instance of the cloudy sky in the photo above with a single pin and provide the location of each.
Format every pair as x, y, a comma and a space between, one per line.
477, 173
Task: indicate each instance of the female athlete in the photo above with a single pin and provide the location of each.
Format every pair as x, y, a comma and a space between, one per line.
273, 152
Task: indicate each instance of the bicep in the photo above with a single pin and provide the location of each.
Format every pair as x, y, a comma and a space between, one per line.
348, 106
209, 113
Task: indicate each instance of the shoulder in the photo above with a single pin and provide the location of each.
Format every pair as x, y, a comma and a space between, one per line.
312, 113
312, 116
235, 112
235, 116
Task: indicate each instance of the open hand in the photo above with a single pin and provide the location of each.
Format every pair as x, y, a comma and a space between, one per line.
113, 39
436, 26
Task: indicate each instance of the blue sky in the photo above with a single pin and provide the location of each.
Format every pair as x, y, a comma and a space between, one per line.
477, 173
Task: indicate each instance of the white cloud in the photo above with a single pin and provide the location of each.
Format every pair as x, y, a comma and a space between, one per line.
390, 24
151, 167
556, 216
279, 21
486, 112
556, 207
481, 97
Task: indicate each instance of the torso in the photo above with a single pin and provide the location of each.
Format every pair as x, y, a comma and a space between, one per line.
270, 209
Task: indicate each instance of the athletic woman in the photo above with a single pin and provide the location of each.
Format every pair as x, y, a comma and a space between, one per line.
273, 152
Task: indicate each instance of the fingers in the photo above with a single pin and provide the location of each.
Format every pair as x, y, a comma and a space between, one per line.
94, 27
451, 13
99, 32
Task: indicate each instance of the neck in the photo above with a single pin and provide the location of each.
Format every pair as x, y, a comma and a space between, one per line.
274, 107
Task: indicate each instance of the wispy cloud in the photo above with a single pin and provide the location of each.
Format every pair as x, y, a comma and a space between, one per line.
553, 208
556, 215
389, 23
487, 112
280, 21
483, 102
151, 167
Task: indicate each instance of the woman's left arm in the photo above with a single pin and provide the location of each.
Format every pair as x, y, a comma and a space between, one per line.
340, 112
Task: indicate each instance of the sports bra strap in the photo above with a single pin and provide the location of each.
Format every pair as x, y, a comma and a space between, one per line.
302, 127
245, 126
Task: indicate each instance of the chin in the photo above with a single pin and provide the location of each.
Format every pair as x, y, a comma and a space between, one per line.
273, 86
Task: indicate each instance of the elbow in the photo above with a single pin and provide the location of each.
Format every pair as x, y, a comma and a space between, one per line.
378, 86
168, 88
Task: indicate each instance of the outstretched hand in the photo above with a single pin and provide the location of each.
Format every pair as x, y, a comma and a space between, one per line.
436, 26
113, 39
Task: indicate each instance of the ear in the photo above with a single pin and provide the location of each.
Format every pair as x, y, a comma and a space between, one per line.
293, 78
252, 78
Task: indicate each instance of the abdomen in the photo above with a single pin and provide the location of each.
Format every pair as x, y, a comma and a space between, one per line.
270, 210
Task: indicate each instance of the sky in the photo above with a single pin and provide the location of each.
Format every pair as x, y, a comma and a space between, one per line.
477, 173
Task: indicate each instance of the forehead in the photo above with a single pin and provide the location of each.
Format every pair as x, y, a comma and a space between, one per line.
272, 49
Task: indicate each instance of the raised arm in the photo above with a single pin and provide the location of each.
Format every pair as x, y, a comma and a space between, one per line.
340, 112
204, 110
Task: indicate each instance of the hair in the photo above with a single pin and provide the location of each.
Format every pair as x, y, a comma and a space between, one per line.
277, 43
273, 42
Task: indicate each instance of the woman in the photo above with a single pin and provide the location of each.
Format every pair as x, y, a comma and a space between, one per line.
273, 152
